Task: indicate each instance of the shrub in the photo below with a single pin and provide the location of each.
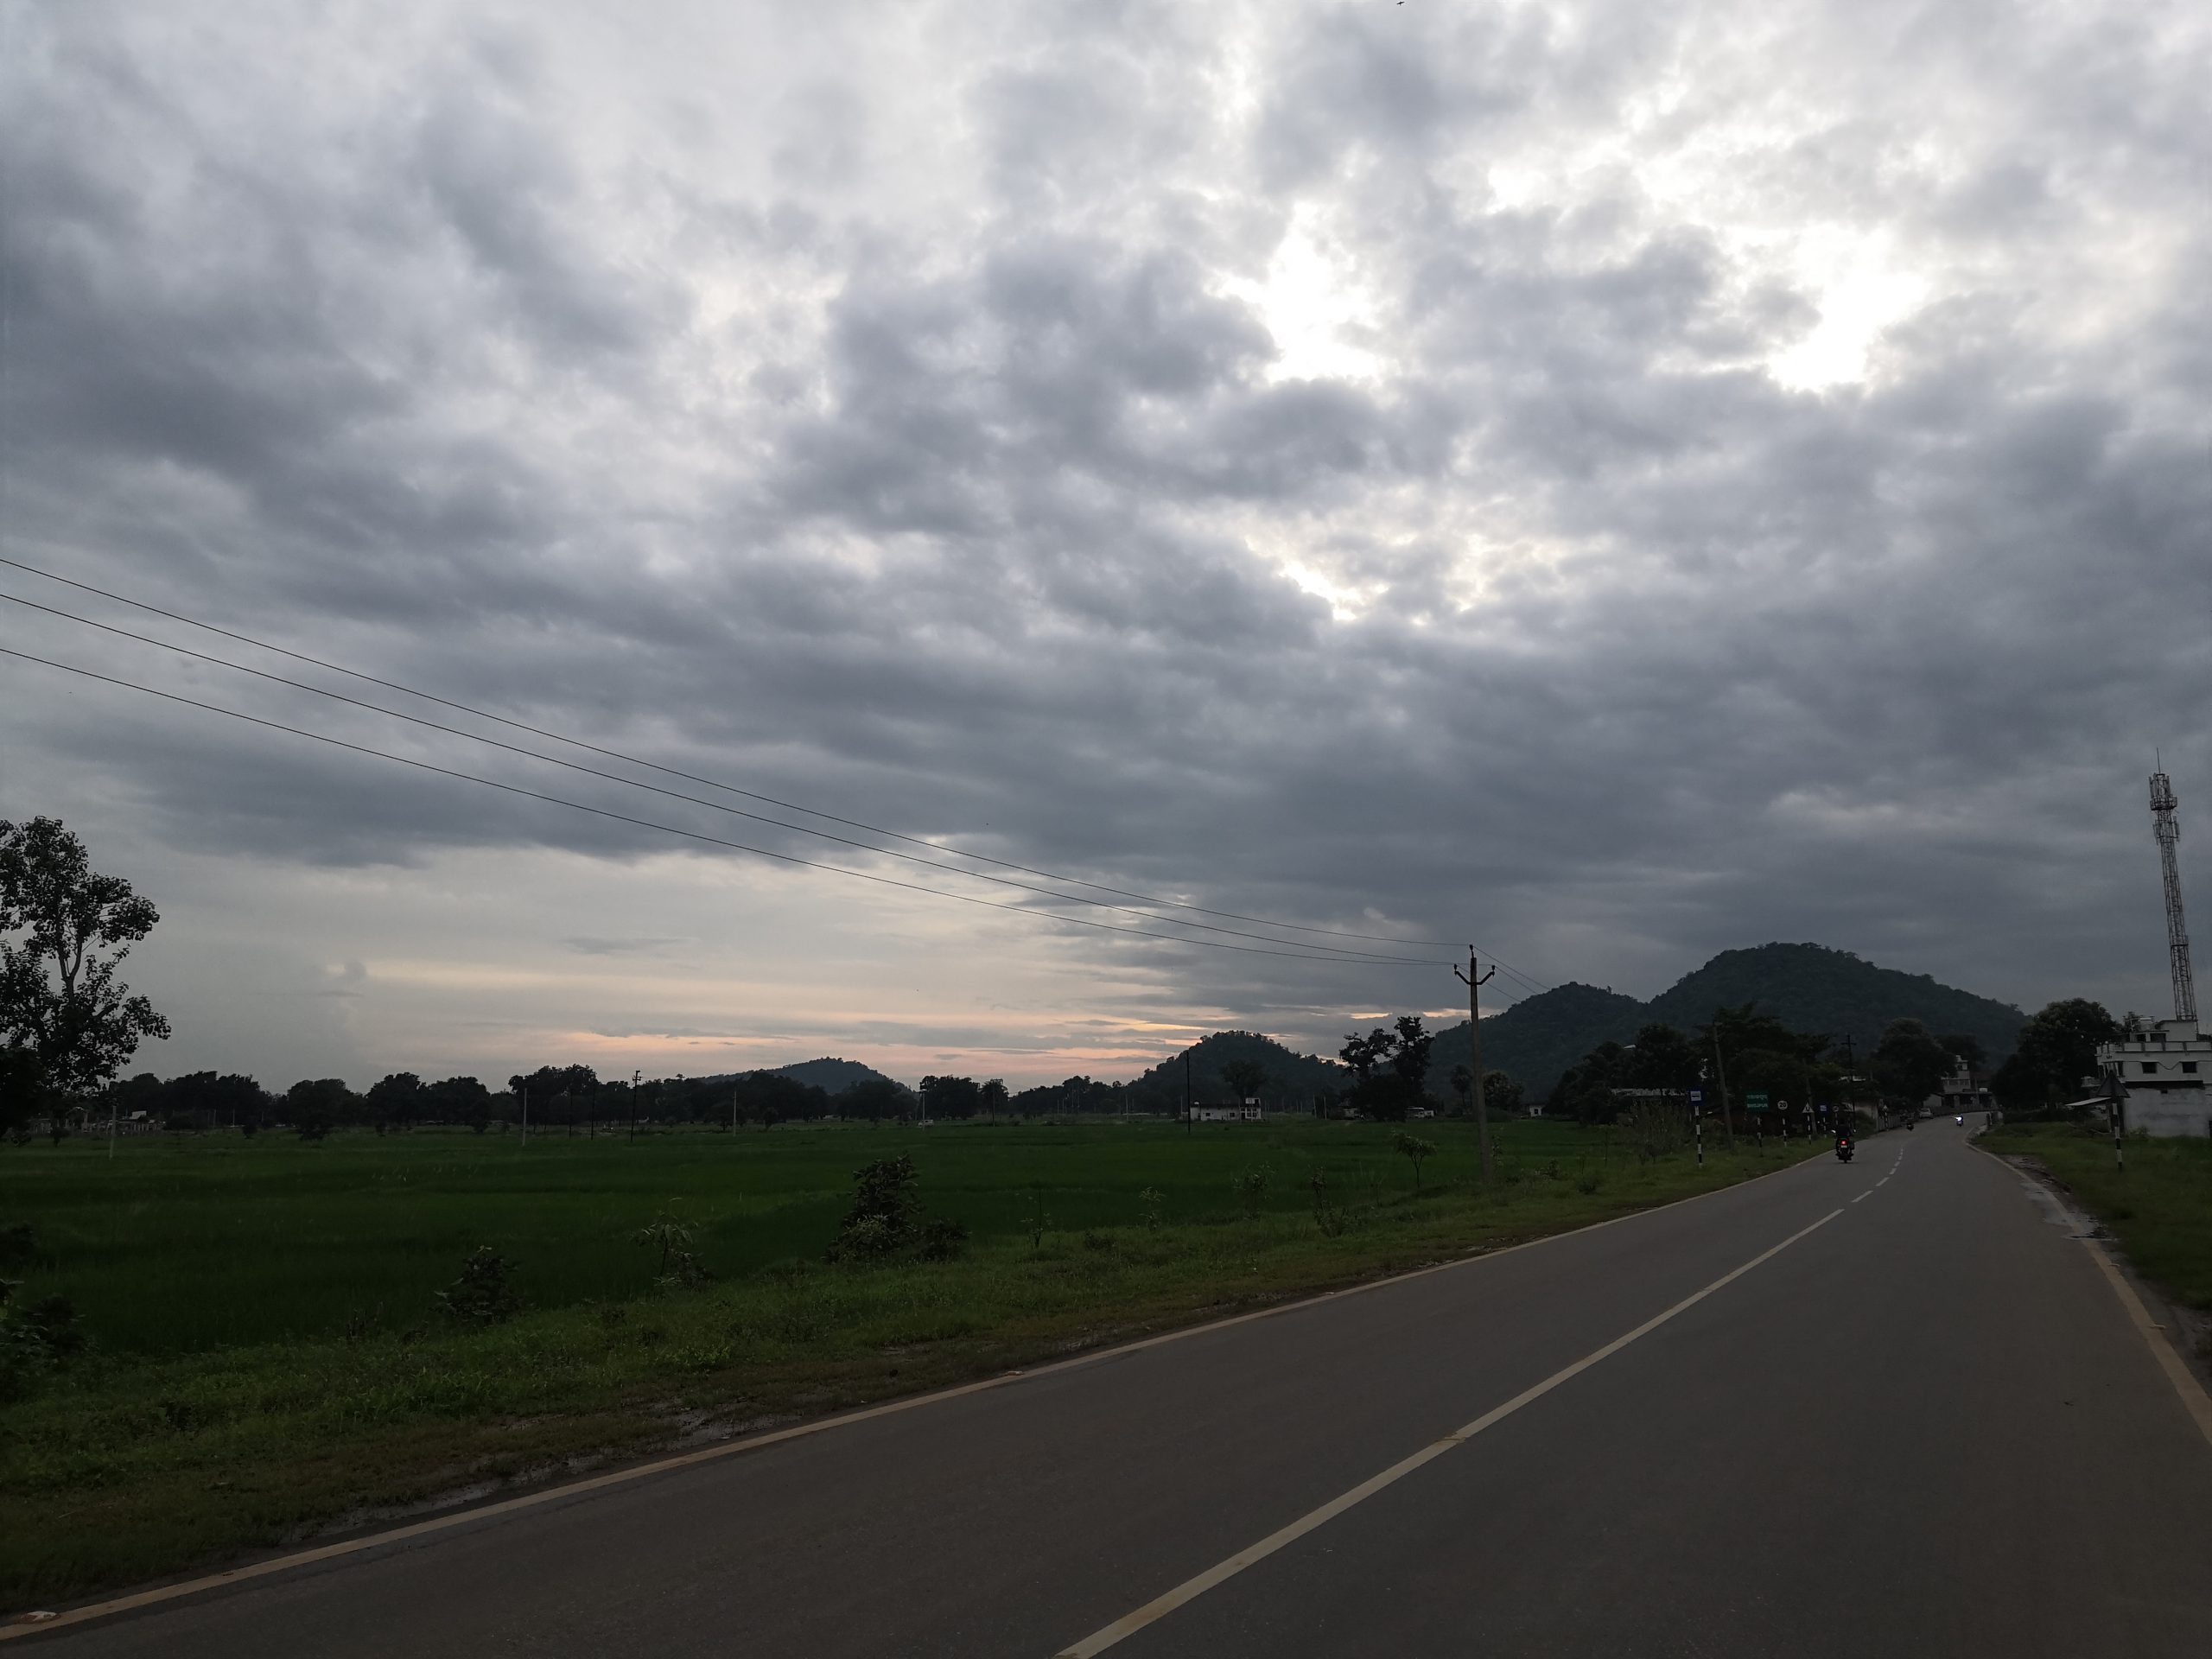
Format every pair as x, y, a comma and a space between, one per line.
1150, 1202
35, 1337
1328, 1213
483, 1294
671, 1235
887, 1219
1250, 1185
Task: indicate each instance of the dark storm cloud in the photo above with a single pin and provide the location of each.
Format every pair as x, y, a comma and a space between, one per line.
1012, 525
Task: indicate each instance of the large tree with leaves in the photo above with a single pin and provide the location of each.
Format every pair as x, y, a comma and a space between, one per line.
65, 1020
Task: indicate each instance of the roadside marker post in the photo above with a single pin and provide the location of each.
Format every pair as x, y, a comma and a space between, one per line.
1697, 1122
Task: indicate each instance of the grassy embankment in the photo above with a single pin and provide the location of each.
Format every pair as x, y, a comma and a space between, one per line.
2159, 1207
267, 1363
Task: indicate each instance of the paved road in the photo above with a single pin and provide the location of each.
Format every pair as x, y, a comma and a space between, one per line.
1926, 1426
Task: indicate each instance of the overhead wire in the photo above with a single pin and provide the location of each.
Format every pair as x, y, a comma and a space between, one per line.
1153, 900
1034, 913
1338, 951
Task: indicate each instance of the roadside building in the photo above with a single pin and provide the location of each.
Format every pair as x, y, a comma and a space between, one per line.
1244, 1111
1959, 1094
2163, 1070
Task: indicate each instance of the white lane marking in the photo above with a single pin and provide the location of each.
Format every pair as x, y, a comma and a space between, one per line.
1863, 1196
159, 1593
1190, 1589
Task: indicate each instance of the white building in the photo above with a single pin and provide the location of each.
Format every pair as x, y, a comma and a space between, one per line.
2162, 1074
1959, 1094
1245, 1112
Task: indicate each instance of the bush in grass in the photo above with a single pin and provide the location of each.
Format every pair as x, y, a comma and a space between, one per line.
35, 1336
1151, 1200
483, 1294
1250, 1185
671, 1235
1329, 1214
887, 1219
1415, 1151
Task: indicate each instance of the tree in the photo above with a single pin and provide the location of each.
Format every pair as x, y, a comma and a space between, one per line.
1389, 1068
1414, 1150
2057, 1055
1908, 1064
1501, 1094
1664, 1059
1966, 1049
315, 1105
950, 1097
876, 1098
1245, 1078
395, 1099
458, 1100
1463, 1088
1410, 1062
994, 1096
1361, 1055
60, 1000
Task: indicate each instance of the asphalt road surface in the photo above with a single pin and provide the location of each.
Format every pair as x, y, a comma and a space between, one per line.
1926, 1426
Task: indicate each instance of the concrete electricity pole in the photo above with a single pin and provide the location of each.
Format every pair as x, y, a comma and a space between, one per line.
1475, 983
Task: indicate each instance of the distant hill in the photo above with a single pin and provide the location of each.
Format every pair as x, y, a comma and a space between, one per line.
1540, 1036
1293, 1078
831, 1077
1807, 987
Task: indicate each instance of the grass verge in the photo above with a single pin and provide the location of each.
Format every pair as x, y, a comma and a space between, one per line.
137, 1465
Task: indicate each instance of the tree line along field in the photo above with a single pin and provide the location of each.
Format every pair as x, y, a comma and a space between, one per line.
181, 1243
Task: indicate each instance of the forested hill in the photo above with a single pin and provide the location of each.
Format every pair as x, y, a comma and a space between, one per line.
831, 1077
1807, 987
1811, 988
1539, 1037
1293, 1078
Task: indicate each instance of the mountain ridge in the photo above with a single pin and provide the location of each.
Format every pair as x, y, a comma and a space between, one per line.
1811, 988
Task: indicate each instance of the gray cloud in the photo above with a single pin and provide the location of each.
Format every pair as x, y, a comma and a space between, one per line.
940, 439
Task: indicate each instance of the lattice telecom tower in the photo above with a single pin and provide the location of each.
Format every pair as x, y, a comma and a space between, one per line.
2168, 831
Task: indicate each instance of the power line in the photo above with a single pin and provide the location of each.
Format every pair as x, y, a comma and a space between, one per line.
688, 835
755, 795
678, 795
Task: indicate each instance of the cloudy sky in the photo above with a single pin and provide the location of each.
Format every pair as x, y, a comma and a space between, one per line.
1612, 482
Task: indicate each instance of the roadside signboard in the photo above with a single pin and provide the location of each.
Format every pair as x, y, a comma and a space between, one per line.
1755, 1103
1697, 1096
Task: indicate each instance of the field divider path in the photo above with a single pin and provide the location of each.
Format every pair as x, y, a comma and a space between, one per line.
1128, 1625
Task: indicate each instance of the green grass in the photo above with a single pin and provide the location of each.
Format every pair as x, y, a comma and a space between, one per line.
181, 1245
266, 1363
2159, 1207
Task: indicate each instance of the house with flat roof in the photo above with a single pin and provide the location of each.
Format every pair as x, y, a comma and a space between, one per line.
2163, 1070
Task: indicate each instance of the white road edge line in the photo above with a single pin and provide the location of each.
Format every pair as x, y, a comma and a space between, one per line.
17, 1626
1190, 1589
2194, 1400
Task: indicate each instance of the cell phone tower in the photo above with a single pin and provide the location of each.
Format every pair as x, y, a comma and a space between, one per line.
2168, 831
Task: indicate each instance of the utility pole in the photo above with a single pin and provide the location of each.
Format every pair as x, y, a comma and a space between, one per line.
1189, 1116
1721, 1077
732, 1111
634, 1078
1475, 983
526, 1115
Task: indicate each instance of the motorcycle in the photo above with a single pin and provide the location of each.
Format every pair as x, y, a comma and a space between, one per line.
1843, 1150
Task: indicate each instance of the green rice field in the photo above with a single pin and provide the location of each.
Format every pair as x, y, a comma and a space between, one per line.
178, 1244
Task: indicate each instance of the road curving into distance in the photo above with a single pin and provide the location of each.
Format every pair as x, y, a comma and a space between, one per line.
1888, 1408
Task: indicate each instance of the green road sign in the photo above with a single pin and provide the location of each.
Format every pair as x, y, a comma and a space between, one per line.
1755, 1103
